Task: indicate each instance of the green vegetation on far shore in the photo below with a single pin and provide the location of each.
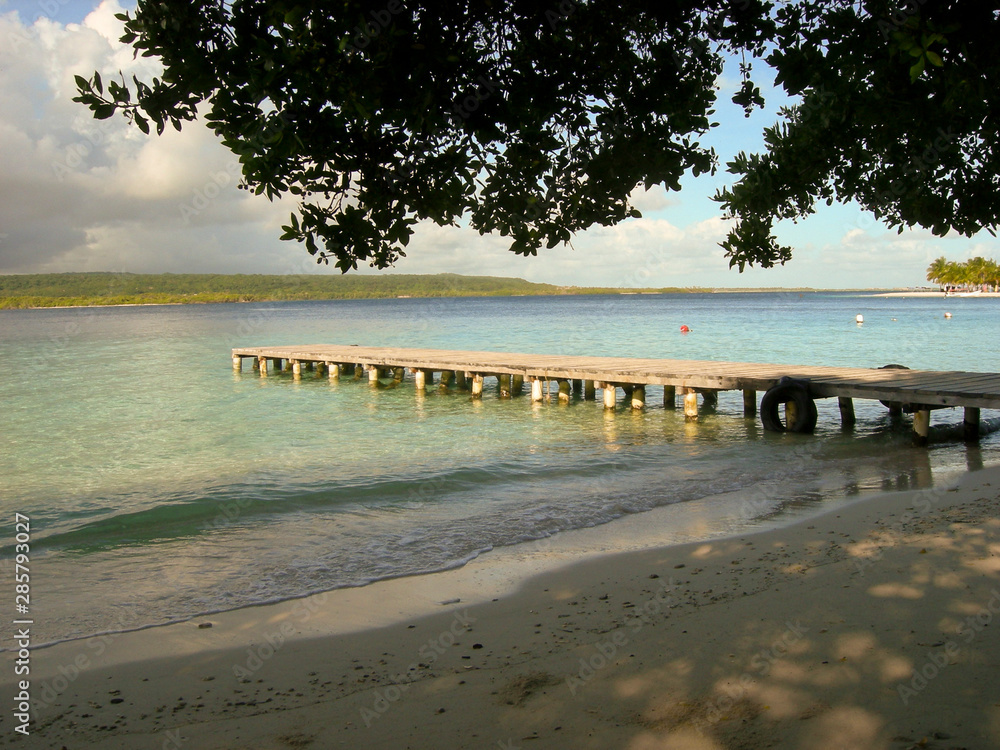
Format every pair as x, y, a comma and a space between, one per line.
105, 288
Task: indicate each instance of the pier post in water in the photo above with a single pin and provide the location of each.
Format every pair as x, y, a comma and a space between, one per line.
461, 380
237, 362
669, 397
639, 397
847, 418
420, 380
690, 403
921, 427
749, 403
589, 392
970, 425
516, 384
536, 391
373, 374
503, 384
791, 414
262, 366
296, 368
333, 369
610, 396
446, 376
564, 391
477, 385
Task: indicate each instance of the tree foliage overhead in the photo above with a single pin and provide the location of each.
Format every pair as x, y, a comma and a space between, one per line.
536, 120
898, 112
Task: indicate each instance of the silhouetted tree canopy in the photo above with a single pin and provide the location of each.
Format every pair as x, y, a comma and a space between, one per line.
536, 120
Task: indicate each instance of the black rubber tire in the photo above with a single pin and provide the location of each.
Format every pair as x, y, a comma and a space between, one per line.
784, 391
893, 404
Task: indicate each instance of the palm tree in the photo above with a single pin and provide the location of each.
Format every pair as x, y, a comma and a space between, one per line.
977, 271
937, 269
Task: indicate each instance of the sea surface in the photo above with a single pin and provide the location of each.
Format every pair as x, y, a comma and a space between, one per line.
162, 485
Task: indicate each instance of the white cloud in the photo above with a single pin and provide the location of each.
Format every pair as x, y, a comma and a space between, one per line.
81, 194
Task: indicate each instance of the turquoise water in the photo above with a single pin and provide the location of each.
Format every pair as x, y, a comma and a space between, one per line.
162, 485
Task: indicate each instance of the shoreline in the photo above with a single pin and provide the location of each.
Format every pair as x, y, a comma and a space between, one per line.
771, 505
938, 295
569, 644
504, 295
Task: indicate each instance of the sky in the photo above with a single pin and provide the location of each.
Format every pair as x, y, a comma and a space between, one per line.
78, 194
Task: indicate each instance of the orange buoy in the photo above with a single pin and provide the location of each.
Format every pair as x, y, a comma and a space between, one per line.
685, 329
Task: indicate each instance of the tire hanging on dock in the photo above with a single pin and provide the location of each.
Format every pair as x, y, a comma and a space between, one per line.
788, 390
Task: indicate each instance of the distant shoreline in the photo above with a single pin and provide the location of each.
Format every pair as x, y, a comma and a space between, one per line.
98, 302
940, 295
106, 289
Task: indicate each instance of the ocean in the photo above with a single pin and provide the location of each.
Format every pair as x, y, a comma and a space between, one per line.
161, 485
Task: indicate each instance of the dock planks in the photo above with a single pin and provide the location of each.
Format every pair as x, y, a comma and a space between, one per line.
922, 387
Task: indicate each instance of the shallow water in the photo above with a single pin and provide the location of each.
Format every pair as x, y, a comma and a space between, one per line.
162, 485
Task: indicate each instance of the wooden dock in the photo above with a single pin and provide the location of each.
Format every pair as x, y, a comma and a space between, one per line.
916, 391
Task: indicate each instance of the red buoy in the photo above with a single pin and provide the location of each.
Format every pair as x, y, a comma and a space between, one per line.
685, 329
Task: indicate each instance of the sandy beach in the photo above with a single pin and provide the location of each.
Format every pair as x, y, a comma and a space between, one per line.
870, 626
940, 295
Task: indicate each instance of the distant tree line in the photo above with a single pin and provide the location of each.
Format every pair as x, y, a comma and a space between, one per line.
87, 289
975, 273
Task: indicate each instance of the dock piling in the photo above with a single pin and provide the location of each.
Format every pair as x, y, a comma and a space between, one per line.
970, 424
921, 427
749, 403
669, 397
564, 391
847, 418
610, 396
690, 403
536, 391
639, 397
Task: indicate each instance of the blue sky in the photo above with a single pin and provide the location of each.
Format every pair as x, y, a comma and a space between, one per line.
81, 195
